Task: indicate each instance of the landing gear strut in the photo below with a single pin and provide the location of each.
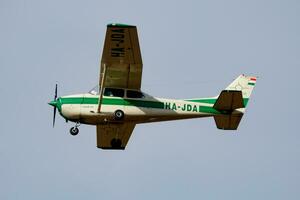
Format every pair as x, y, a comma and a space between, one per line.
74, 130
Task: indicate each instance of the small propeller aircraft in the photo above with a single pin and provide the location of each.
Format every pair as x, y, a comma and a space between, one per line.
117, 103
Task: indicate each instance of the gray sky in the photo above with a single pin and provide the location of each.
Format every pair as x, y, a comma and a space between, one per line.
189, 49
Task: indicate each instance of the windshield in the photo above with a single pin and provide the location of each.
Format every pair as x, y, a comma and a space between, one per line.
95, 90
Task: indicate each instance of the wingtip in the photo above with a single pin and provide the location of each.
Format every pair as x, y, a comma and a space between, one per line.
120, 25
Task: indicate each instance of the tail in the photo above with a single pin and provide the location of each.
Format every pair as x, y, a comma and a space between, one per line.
232, 101
245, 84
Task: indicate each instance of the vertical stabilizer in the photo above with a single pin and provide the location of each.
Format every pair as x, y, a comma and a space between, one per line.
245, 84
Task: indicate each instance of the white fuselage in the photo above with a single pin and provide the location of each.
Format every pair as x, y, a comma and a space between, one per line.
83, 108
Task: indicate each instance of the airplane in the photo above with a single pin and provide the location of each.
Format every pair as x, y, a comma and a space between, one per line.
117, 104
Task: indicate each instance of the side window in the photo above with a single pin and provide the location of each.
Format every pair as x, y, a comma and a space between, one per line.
112, 92
134, 94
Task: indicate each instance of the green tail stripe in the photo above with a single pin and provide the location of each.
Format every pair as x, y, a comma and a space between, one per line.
213, 101
210, 101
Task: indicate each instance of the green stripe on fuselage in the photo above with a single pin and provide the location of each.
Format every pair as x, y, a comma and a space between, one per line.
125, 102
113, 101
138, 103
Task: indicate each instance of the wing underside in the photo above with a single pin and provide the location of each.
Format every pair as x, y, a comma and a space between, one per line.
114, 136
122, 57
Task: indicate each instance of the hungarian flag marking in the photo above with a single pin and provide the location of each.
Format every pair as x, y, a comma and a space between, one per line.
252, 81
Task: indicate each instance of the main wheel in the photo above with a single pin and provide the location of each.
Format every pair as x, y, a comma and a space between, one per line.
74, 131
119, 115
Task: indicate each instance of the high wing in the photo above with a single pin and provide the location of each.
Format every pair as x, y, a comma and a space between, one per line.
114, 136
121, 58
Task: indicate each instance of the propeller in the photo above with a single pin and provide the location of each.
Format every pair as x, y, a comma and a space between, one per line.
55, 98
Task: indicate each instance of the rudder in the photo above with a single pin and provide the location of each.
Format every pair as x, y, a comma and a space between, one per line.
245, 84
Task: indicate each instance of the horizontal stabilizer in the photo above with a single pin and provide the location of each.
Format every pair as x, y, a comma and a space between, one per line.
229, 100
228, 122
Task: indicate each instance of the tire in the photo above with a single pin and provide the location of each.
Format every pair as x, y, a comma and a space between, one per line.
119, 115
74, 131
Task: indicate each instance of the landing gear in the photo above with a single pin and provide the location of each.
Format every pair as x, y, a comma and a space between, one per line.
74, 130
118, 115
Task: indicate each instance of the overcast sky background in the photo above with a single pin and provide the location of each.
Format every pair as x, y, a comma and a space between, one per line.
189, 49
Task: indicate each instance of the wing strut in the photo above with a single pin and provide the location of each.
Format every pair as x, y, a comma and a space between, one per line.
103, 76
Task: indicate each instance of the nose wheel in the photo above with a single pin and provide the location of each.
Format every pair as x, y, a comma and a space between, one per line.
74, 130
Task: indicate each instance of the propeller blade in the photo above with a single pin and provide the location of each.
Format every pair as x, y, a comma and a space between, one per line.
55, 98
54, 114
55, 94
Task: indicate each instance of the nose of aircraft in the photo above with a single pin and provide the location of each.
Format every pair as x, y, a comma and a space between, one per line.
53, 103
56, 104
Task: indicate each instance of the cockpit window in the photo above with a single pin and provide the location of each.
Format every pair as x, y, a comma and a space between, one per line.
95, 90
113, 92
134, 94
